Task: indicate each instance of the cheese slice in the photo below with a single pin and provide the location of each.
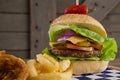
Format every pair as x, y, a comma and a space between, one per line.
76, 39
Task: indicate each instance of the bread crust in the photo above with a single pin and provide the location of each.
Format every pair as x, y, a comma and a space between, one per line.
82, 21
84, 67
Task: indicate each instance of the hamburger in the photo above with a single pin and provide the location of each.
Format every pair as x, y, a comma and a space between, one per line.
83, 40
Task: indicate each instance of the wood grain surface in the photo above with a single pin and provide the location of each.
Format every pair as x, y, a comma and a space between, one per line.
41, 16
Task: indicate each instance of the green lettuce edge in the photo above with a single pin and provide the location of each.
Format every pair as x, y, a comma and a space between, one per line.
110, 49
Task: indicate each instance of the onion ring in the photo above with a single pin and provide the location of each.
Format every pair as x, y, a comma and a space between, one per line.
12, 68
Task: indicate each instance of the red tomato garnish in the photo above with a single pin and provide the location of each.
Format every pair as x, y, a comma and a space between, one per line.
76, 9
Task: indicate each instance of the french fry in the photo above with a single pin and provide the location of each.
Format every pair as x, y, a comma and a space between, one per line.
45, 64
47, 68
64, 65
32, 69
66, 75
51, 59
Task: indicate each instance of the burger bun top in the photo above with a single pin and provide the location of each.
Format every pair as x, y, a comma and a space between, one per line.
82, 21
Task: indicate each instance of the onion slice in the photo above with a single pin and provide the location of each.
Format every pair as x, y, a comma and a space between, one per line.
66, 34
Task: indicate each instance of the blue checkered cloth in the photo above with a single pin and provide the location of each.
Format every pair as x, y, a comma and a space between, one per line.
108, 74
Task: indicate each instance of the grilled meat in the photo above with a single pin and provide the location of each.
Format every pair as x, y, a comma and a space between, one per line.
75, 53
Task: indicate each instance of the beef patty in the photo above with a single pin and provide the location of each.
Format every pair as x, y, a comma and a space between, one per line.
75, 53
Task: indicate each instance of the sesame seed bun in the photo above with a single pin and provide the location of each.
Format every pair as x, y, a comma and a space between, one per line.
81, 20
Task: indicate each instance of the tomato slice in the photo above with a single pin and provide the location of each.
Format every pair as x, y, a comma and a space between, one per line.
72, 46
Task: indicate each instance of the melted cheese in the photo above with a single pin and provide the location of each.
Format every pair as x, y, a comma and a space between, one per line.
76, 39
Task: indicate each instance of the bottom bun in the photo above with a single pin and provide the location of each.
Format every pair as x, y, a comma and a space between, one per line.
67, 75
85, 67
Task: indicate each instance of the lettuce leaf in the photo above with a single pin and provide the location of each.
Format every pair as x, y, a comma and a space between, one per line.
54, 32
87, 33
109, 50
79, 59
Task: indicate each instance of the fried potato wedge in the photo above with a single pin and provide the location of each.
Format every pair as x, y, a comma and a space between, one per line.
32, 67
45, 64
46, 67
51, 59
54, 75
64, 65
